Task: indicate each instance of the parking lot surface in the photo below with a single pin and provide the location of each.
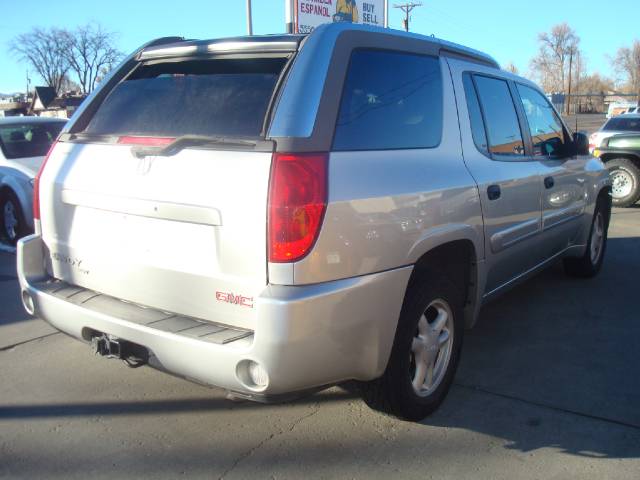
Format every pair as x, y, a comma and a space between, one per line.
548, 387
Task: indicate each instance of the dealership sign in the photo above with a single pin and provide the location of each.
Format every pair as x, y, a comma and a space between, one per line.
308, 14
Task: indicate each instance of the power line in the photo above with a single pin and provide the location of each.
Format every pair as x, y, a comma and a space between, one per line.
406, 8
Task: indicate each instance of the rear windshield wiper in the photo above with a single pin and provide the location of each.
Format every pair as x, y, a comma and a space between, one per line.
186, 141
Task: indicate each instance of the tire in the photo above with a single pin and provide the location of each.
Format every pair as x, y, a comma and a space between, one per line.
12, 220
417, 342
625, 179
590, 263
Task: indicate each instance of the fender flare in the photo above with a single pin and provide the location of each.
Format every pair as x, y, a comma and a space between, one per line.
445, 234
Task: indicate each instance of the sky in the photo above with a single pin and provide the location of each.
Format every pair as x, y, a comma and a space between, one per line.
506, 29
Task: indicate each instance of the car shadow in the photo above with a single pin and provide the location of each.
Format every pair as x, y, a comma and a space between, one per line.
563, 348
551, 365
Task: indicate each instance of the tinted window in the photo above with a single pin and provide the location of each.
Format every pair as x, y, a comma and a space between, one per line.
500, 115
28, 140
622, 124
215, 97
547, 133
475, 115
390, 100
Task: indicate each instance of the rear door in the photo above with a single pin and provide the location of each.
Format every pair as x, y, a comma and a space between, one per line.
161, 198
508, 181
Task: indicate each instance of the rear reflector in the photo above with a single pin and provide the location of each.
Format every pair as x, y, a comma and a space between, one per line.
36, 184
146, 141
297, 202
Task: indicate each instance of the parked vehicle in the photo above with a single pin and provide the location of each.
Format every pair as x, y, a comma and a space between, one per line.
24, 142
627, 123
621, 156
621, 108
286, 213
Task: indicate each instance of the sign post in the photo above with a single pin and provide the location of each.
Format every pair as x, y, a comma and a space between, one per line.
302, 16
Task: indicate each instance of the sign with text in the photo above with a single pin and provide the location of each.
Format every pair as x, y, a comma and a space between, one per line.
311, 13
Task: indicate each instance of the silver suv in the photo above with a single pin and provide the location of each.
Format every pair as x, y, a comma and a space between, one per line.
274, 215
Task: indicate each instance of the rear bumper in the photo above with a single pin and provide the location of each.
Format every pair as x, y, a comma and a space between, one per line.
304, 337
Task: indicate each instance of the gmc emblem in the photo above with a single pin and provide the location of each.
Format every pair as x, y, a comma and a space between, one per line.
235, 299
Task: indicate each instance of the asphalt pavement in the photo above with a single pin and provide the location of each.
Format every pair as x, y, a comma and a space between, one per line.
548, 388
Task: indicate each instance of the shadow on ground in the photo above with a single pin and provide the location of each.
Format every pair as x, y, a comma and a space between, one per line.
552, 365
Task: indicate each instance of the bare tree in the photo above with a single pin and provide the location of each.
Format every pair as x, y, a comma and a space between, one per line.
510, 67
627, 63
68, 85
595, 87
558, 49
43, 50
89, 51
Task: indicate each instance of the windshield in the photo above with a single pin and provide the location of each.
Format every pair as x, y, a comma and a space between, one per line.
22, 140
621, 124
195, 97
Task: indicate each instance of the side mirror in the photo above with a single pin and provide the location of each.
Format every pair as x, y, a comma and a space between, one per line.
581, 143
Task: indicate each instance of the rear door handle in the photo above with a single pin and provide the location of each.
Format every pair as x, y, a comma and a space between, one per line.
493, 192
549, 182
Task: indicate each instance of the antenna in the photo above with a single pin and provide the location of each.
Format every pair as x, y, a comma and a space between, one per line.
406, 8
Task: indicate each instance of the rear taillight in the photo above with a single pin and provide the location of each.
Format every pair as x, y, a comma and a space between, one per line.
297, 202
36, 184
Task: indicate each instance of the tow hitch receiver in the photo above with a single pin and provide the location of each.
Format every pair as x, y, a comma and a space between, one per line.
134, 355
106, 347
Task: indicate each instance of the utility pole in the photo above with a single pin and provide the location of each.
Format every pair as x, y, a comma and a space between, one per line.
289, 16
386, 14
570, 67
249, 21
406, 8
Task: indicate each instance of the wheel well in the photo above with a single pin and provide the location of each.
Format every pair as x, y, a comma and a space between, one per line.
456, 260
612, 156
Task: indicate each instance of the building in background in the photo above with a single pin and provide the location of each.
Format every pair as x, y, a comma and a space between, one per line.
45, 103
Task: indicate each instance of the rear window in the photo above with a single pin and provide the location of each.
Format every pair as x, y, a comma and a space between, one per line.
503, 128
212, 98
621, 124
22, 140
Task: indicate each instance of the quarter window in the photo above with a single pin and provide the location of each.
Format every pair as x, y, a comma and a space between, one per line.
547, 133
390, 101
503, 129
475, 115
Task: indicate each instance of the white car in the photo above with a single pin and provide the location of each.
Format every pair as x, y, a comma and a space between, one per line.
627, 123
24, 142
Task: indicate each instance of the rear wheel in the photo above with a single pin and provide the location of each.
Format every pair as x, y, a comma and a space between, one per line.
13, 225
591, 262
625, 181
425, 352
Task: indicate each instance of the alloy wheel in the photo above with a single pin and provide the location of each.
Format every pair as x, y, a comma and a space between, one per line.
431, 348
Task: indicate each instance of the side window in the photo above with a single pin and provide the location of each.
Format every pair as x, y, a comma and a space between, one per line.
500, 116
547, 133
475, 115
390, 100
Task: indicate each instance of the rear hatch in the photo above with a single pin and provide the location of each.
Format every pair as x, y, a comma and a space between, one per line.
161, 199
